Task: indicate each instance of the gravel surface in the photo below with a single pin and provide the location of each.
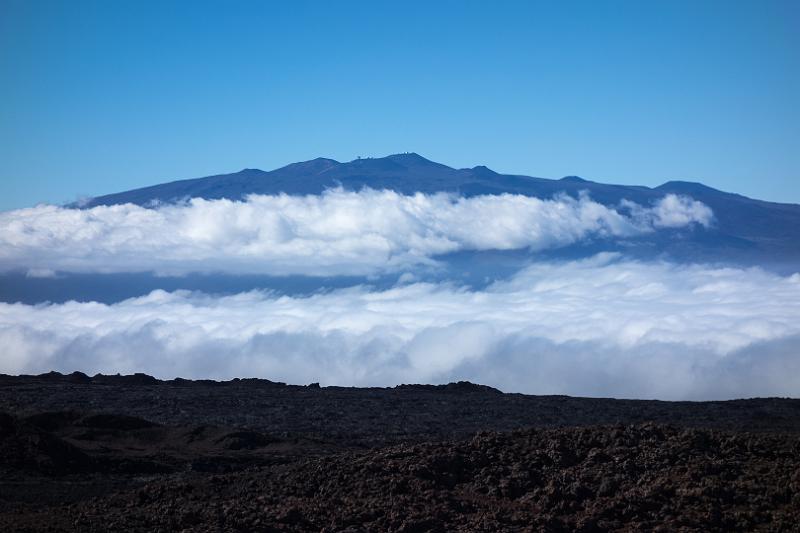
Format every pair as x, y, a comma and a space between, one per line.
113, 453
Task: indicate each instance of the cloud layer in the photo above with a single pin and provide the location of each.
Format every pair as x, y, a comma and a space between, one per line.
337, 233
600, 327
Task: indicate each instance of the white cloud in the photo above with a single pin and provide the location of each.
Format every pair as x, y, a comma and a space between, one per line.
671, 211
604, 326
358, 233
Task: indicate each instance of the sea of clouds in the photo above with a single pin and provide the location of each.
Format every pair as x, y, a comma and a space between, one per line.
337, 233
605, 326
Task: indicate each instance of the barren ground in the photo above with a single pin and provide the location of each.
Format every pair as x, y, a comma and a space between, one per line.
133, 453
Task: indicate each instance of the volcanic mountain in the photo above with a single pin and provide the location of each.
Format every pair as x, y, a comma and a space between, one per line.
745, 230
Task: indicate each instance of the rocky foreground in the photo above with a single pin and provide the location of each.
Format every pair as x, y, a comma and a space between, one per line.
113, 453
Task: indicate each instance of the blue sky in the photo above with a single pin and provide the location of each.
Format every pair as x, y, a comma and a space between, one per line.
97, 97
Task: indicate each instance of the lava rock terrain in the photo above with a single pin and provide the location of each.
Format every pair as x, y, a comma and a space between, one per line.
112, 453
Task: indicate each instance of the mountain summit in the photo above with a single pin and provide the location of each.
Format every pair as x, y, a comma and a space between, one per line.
406, 173
745, 229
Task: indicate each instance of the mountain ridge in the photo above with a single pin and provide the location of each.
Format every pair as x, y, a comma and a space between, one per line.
405, 172
746, 230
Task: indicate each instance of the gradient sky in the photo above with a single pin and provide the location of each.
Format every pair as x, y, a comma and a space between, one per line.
98, 97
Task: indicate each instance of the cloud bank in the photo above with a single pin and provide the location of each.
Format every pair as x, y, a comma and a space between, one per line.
337, 233
600, 327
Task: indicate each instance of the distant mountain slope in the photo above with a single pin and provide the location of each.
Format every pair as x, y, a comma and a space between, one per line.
745, 231
405, 173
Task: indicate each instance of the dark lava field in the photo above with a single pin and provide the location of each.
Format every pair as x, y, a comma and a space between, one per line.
131, 453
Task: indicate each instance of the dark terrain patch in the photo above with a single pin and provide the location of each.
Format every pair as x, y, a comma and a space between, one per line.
134, 453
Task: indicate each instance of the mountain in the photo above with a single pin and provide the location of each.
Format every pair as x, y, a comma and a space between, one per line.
405, 173
746, 231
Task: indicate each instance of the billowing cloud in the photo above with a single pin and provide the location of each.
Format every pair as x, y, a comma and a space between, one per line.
603, 327
671, 211
339, 232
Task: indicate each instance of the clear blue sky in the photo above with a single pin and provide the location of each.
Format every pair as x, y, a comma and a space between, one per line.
98, 97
